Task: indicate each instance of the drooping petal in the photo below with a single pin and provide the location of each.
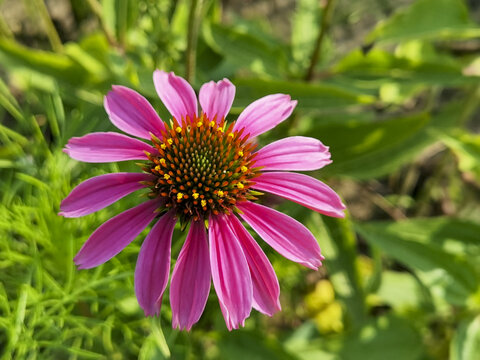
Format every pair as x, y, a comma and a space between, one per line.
104, 147
264, 114
283, 233
191, 278
131, 112
298, 153
100, 191
216, 99
112, 236
266, 291
153, 265
230, 273
302, 189
176, 94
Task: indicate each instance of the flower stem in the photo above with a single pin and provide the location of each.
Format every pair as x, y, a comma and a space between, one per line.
326, 18
192, 37
52, 33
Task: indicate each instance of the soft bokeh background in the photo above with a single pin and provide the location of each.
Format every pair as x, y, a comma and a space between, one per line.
391, 86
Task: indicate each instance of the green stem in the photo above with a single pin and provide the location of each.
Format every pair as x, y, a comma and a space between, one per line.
343, 268
326, 19
5, 31
471, 104
97, 10
122, 22
192, 37
52, 33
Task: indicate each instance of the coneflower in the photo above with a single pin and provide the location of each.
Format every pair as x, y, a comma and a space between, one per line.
204, 172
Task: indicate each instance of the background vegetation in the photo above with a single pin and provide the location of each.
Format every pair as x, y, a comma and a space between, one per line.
391, 86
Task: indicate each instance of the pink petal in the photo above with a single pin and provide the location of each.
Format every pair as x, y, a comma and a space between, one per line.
283, 233
264, 114
293, 153
153, 265
100, 191
176, 94
302, 189
112, 236
190, 283
103, 147
131, 112
266, 291
231, 277
216, 99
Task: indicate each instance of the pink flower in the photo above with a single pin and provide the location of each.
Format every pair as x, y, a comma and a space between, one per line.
203, 171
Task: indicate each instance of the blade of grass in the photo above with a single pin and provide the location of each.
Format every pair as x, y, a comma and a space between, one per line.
52, 34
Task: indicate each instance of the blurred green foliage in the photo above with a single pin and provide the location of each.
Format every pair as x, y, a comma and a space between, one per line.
394, 93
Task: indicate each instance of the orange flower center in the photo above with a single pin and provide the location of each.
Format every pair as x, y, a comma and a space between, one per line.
202, 168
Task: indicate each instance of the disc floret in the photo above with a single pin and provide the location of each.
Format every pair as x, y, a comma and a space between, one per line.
202, 168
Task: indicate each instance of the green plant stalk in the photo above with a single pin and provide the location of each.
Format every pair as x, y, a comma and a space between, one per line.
471, 104
12, 109
38, 135
192, 37
97, 10
52, 33
326, 19
346, 279
4, 29
52, 117
122, 22
12, 134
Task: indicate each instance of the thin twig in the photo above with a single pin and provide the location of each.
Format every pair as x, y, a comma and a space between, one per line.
326, 18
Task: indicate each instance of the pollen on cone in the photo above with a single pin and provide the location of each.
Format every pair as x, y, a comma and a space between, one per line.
203, 161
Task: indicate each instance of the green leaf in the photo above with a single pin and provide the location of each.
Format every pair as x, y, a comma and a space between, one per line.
453, 235
245, 51
366, 150
87, 61
9, 103
427, 19
305, 343
425, 246
465, 344
309, 96
155, 345
401, 290
109, 15
466, 147
179, 23
57, 65
384, 338
85, 354
6, 164
252, 345
413, 65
